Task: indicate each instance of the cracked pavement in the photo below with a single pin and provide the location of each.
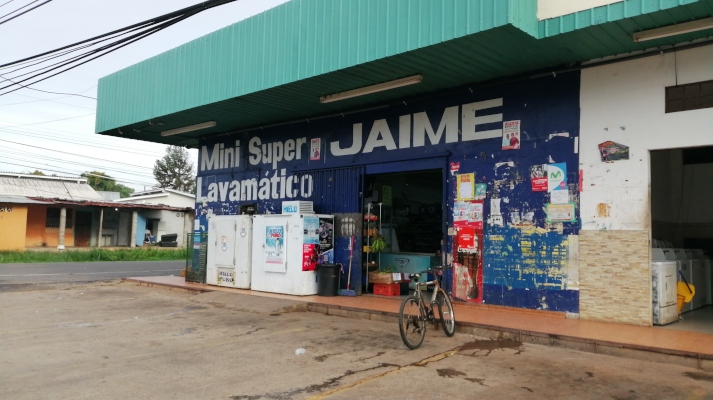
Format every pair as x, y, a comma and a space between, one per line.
114, 340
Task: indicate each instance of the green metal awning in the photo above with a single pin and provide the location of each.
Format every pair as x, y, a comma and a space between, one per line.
274, 67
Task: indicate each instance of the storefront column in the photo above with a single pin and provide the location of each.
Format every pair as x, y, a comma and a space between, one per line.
134, 221
101, 223
62, 222
187, 228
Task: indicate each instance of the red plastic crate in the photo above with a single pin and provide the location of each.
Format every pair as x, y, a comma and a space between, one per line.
387, 289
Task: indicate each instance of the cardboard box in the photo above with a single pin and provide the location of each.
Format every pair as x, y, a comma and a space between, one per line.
376, 277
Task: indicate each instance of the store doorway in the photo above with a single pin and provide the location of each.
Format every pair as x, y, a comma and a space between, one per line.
682, 227
408, 213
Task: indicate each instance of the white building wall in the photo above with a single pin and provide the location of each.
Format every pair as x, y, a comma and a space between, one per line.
625, 103
556, 8
170, 222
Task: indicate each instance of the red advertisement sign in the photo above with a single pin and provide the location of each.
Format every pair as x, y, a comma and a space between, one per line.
309, 257
538, 177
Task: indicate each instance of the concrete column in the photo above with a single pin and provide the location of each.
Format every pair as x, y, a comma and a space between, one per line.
62, 223
101, 223
187, 228
134, 221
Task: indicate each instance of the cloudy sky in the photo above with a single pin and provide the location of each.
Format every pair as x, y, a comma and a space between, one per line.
54, 132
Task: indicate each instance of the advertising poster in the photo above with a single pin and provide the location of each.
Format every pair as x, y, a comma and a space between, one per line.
538, 177
511, 135
226, 276
465, 186
314, 149
326, 241
475, 215
480, 191
310, 246
274, 242
556, 177
559, 196
560, 213
455, 167
460, 212
611, 151
466, 238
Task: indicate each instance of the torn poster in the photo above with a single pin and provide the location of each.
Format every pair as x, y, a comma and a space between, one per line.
465, 186
611, 151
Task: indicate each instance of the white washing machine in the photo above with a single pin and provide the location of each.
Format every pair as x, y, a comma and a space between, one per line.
664, 288
698, 279
707, 278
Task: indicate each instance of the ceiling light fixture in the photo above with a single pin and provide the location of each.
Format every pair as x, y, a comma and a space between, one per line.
379, 87
189, 128
672, 30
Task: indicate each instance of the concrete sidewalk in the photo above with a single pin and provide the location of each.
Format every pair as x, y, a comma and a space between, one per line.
689, 349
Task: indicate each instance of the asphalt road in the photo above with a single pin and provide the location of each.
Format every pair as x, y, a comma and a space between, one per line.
113, 340
34, 273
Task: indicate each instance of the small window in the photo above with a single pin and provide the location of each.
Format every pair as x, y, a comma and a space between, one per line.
53, 218
692, 96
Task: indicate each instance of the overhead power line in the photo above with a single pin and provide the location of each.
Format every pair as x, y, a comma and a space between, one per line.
74, 154
42, 67
22, 13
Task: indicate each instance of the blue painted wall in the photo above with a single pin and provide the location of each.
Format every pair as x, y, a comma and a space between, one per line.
525, 264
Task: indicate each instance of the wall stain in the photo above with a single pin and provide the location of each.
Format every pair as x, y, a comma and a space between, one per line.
528, 389
603, 210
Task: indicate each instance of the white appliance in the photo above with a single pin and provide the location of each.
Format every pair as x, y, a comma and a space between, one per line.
664, 293
229, 257
707, 278
286, 250
697, 279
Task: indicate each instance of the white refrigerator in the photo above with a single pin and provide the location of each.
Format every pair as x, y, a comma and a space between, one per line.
286, 250
229, 257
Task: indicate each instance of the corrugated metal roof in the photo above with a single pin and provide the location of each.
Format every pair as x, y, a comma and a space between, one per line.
19, 200
47, 188
274, 67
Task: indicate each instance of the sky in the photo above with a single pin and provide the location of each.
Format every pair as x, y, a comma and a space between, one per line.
54, 133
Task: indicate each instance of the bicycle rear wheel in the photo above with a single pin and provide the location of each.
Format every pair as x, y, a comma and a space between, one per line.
411, 327
445, 313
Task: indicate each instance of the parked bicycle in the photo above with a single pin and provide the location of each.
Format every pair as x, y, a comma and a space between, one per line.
417, 312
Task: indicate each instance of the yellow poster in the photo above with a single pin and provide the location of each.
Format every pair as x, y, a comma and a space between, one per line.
465, 187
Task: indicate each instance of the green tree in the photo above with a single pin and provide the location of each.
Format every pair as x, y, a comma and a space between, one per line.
38, 172
175, 170
103, 182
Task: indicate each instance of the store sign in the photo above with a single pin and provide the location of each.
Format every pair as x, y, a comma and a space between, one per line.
461, 123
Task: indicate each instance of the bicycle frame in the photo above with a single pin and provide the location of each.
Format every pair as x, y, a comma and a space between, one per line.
421, 300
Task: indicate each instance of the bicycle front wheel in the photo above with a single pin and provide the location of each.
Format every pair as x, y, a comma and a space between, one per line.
411, 327
445, 313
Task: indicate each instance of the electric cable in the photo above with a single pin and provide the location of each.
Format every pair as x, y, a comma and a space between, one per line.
145, 29
24, 12
6, 3
47, 122
75, 173
72, 154
93, 167
78, 143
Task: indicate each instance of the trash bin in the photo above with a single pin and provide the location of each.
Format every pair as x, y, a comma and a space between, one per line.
327, 279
